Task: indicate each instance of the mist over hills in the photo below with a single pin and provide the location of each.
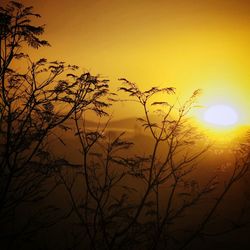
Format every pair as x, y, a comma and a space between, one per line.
132, 130
133, 125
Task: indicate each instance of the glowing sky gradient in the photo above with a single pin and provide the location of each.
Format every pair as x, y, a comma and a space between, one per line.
185, 44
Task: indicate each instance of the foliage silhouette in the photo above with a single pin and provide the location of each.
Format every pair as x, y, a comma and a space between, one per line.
131, 201
32, 105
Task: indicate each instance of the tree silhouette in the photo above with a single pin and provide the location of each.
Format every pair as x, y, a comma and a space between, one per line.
32, 105
127, 201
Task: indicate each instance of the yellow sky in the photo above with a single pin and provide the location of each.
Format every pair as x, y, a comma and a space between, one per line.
187, 44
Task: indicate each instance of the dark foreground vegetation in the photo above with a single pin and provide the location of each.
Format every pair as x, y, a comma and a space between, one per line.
110, 193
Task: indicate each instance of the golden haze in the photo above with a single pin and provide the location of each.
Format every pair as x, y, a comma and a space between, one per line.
183, 43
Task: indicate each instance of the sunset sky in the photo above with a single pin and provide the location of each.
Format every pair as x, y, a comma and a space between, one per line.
156, 169
187, 44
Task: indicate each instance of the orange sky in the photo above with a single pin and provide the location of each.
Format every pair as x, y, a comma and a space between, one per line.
187, 44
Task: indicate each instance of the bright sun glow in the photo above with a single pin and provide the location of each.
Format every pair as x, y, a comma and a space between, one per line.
221, 115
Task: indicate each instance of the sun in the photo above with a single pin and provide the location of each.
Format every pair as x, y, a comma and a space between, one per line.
221, 115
